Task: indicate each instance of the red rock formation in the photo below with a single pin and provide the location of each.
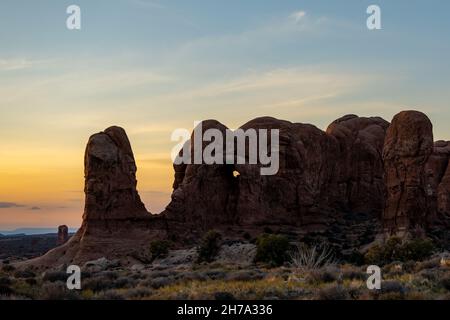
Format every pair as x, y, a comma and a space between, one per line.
110, 178
407, 148
115, 221
322, 176
359, 171
330, 186
63, 235
438, 174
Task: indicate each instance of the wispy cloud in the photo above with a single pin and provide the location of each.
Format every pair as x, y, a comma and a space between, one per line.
297, 16
20, 63
16, 64
293, 83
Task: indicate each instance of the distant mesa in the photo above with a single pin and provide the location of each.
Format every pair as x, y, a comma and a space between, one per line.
361, 180
63, 235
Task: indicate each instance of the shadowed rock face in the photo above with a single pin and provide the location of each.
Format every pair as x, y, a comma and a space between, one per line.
359, 178
437, 171
408, 145
110, 178
115, 221
326, 181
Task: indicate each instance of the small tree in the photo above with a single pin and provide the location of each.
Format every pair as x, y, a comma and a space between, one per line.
209, 246
397, 250
272, 249
159, 249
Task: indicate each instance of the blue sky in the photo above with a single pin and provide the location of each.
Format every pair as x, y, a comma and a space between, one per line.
153, 66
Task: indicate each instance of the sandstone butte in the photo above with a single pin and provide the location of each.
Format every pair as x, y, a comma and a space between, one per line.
360, 181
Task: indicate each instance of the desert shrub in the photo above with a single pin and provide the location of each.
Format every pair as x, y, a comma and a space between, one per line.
267, 230
124, 282
31, 281
397, 250
309, 258
355, 258
157, 274
334, 292
325, 275
159, 249
138, 276
8, 268
110, 275
272, 249
58, 291
209, 246
54, 276
138, 293
391, 296
353, 274
381, 254
110, 295
430, 274
24, 274
216, 274
428, 264
417, 249
445, 282
160, 282
393, 269
191, 276
5, 281
415, 295
393, 286
97, 284
409, 266
245, 275
5, 290
375, 255
224, 296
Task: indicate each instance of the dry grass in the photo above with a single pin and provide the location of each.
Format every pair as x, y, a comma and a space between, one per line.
246, 290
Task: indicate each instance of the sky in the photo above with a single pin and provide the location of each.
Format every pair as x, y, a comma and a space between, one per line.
154, 66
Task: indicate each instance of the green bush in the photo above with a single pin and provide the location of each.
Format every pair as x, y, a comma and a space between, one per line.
397, 250
381, 254
209, 246
333, 292
445, 282
5, 290
417, 249
272, 249
8, 268
24, 274
55, 276
159, 249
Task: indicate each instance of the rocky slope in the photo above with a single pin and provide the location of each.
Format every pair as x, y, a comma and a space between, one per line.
360, 179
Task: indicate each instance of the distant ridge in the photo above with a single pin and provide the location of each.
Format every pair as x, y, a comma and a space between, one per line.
33, 231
